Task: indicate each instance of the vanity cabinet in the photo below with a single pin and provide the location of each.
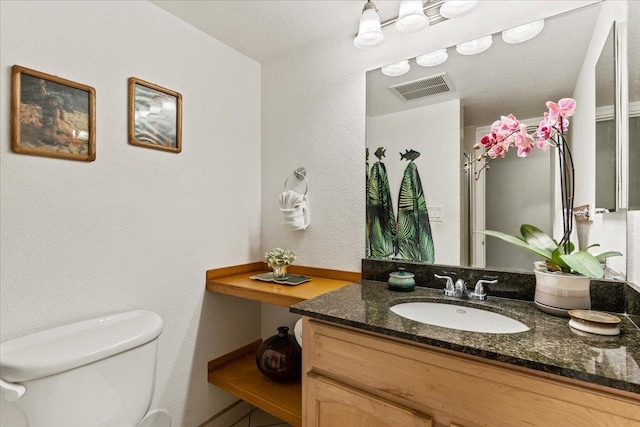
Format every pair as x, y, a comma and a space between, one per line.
353, 377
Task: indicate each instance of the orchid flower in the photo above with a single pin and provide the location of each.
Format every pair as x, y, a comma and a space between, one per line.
544, 132
523, 141
509, 132
564, 108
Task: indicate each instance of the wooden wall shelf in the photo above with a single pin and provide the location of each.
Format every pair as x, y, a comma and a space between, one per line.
235, 281
237, 372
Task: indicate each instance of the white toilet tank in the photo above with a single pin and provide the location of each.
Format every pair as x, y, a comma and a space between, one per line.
95, 373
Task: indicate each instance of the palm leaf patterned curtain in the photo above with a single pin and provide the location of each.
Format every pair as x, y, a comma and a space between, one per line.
413, 239
381, 222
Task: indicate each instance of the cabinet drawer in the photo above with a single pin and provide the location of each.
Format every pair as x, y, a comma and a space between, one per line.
454, 388
336, 404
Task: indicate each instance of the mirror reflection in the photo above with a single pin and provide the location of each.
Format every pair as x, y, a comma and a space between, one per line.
633, 40
420, 127
606, 126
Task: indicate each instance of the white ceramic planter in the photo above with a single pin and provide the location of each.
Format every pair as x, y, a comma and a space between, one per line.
557, 293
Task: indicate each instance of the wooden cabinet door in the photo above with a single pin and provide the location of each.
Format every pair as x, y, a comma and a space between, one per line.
332, 404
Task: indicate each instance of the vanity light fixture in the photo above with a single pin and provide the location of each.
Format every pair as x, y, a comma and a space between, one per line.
523, 33
397, 69
432, 59
369, 32
457, 8
474, 47
411, 17
414, 15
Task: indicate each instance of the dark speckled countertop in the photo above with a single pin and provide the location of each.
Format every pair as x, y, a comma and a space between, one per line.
550, 345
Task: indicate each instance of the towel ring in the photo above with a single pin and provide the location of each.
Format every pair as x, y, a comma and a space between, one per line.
301, 175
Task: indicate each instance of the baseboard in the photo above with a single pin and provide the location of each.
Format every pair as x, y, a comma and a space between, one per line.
229, 415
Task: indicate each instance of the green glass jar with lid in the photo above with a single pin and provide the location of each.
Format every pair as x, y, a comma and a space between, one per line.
402, 281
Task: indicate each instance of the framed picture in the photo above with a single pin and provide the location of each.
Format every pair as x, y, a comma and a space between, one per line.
52, 116
155, 116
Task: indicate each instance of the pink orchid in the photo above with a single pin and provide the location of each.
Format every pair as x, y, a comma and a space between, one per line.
495, 126
565, 124
564, 108
509, 132
523, 141
543, 144
487, 141
509, 123
499, 150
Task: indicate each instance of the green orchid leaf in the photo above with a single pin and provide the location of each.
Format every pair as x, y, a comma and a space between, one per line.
584, 263
605, 255
544, 253
557, 261
538, 238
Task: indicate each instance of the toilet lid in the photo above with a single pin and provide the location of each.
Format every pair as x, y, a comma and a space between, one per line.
67, 347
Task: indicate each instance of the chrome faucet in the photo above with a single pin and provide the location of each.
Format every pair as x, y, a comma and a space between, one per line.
459, 289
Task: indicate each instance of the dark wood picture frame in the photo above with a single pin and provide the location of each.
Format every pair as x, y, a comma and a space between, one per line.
52, 116
155, 116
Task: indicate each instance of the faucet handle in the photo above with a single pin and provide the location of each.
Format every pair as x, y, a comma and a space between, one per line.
479, 290
449, 289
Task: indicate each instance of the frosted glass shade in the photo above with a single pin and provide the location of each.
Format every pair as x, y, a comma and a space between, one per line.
432, 59
411, 17
369, 32
474, 46
397, 69
457, 8
523, 32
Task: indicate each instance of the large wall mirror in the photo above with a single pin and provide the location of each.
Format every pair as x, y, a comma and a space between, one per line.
421, 128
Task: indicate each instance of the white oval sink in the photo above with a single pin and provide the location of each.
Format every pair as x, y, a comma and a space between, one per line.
459, 317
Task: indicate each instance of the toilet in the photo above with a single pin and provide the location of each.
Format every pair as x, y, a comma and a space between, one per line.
94, 373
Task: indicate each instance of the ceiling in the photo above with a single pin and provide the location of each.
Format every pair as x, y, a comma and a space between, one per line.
268, 29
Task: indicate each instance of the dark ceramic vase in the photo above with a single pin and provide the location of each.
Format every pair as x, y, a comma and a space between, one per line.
280, 357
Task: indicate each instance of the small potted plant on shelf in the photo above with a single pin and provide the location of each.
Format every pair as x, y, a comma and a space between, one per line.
563, 278
278, 259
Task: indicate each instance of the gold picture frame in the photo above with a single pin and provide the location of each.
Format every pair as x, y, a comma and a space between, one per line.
155, 116
52, 116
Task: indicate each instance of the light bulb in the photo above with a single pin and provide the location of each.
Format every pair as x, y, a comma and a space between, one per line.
397, 69
523, 32
457, 8
432, 59
369, 32
474, 46
411, 17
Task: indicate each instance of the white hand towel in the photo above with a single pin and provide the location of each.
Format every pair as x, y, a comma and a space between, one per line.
295, 210
288, 199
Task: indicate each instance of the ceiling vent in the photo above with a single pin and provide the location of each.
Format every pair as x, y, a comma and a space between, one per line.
427, 86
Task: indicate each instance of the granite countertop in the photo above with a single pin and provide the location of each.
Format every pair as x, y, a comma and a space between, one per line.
550, 345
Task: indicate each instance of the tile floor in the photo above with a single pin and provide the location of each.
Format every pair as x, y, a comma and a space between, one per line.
259, 418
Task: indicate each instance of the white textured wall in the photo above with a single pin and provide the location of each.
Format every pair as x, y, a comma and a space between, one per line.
434, 131
137, 228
